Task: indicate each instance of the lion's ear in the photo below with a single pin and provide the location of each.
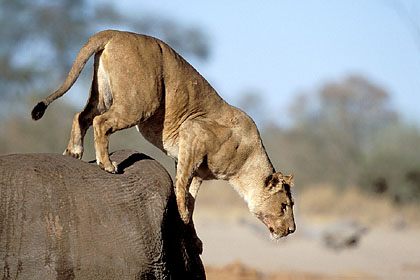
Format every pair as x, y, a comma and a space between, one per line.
274, 182
288, 180
273, 179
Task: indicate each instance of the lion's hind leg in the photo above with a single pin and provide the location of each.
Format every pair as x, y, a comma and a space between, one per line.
106, 124
81, 122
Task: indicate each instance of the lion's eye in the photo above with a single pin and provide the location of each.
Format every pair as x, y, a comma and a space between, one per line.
282, 209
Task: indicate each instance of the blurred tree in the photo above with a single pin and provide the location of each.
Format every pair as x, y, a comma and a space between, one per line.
346, 134
352, 110
19, 134
354, 106
333, 129
40, 39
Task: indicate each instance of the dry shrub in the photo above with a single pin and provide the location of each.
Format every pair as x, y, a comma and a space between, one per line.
325, 202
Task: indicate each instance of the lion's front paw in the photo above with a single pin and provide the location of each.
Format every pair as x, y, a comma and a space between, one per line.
111, 167
185, 216
198, 244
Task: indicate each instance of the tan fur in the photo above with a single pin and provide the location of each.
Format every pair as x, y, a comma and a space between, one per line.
140, 81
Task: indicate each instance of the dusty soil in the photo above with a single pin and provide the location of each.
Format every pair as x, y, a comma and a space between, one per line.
239, 271
237, 245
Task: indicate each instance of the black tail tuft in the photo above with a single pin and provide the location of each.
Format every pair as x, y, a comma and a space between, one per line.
39, 110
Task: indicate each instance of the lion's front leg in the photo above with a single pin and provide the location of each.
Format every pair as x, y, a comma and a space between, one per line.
191, 154
193, 190
182, 182
186, 201
194, 187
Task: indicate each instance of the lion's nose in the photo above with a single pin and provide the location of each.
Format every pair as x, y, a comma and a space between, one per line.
291, 229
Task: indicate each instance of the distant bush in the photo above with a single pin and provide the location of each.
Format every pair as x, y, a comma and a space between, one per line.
392, 164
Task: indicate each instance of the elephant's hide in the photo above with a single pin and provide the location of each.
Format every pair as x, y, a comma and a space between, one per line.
62, 218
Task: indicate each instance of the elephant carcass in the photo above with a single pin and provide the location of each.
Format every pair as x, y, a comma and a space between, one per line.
62, 218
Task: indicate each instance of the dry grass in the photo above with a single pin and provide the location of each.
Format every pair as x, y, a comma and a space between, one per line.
218, 201
323, 203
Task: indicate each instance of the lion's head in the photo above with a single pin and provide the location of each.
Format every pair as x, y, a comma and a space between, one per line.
274, 206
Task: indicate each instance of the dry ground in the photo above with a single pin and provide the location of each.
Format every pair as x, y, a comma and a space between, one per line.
237, 245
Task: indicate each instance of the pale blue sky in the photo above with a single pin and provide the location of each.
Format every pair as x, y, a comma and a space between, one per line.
283, 47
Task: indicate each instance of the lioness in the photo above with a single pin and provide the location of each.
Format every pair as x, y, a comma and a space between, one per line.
141, 81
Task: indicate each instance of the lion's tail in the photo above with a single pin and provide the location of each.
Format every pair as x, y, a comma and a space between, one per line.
93, 45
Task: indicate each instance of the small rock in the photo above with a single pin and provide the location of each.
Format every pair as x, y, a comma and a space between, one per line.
343, 235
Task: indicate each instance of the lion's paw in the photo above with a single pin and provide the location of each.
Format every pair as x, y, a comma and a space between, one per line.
111, 168
198, 244
76, 153
185, 216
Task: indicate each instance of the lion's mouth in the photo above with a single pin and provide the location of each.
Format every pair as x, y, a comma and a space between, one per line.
273, 234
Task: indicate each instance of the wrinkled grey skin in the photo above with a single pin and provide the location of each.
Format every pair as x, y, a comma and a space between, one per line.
61, 218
